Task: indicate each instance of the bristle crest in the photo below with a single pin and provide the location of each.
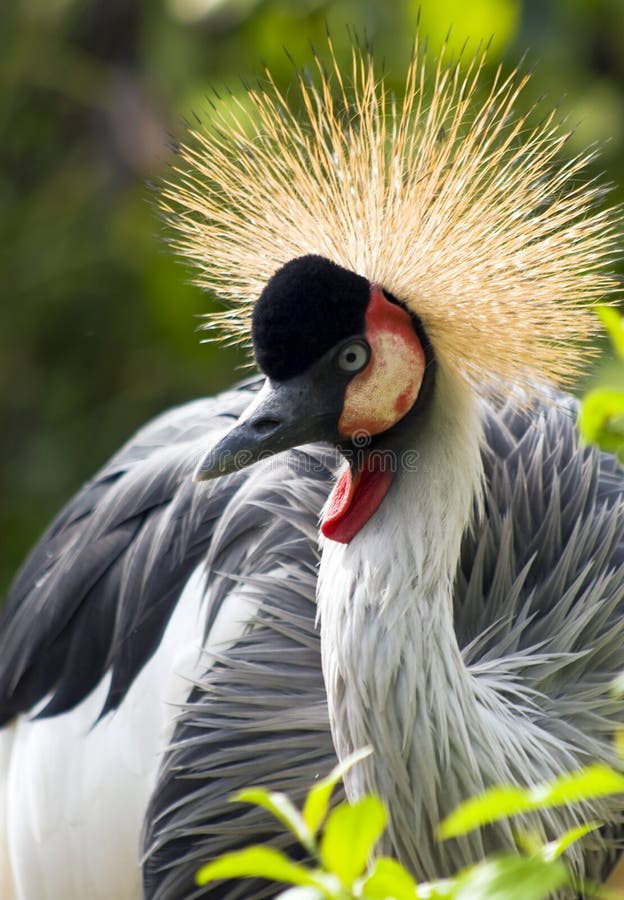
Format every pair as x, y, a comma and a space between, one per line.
456, 205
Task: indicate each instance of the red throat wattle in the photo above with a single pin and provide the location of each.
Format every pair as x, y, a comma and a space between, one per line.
355, 498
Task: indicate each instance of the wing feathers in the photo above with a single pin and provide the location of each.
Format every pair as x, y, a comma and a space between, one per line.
104, 579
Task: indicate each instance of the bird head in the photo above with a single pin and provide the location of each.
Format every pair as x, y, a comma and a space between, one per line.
366, 246
345, 362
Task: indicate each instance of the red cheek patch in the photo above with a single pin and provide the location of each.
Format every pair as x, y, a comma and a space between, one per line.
387, 388
355, 498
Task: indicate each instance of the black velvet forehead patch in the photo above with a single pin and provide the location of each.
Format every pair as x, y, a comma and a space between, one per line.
307, 307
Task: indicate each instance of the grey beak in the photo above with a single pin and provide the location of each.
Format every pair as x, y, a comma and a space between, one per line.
285, 414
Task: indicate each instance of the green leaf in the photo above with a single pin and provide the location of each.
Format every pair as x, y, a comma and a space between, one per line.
596, 780
501, 802
317, 802
554, 849
283, 809
614, 324
493, 804
256, 862
511, 878
350, 834
529, 843
601, 418
388, 878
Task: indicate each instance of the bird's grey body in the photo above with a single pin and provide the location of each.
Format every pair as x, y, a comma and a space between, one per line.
535, 627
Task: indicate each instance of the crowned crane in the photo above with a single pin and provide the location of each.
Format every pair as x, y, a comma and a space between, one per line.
416, 278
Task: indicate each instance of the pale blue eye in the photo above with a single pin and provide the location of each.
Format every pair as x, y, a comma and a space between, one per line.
353, 356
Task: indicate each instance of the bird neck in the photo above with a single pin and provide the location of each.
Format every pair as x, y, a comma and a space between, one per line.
400, 567
394, 672
395, 675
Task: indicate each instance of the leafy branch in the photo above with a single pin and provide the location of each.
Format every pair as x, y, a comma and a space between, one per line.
340, 844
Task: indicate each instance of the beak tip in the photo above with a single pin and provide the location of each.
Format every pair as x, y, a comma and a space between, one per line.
223, 460
200, 474
210, 466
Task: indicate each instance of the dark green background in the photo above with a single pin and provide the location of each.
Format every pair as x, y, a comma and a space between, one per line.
97, 328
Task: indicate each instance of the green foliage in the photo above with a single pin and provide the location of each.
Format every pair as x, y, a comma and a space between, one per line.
502, 802
601, 419
317, 801
495, 20
341, 845
510, 878
349, 836
612, 320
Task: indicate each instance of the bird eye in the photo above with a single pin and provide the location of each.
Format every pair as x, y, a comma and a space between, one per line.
354, 356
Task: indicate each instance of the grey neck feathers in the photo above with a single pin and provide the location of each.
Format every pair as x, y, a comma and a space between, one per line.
394, 672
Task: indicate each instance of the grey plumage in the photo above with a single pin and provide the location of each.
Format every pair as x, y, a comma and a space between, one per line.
260, 715
539, 598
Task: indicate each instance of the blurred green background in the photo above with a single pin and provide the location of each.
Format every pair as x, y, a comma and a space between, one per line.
97, 327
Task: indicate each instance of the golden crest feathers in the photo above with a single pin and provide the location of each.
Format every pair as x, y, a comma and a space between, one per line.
456, 205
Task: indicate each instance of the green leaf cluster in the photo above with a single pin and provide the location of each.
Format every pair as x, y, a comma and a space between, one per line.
601, 419
341, 844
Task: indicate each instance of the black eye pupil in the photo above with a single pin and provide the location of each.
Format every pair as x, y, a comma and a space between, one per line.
353, 357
